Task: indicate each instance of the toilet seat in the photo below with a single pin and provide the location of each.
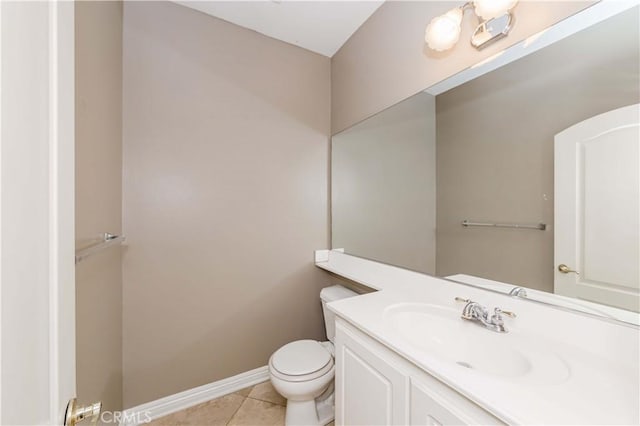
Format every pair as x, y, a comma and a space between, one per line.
301, 361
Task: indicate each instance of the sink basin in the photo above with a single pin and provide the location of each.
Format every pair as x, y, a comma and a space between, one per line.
440, 332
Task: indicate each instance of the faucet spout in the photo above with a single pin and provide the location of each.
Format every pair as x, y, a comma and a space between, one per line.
518, 292
474, 311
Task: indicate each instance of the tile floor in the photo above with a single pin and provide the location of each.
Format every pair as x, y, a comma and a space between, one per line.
259, 405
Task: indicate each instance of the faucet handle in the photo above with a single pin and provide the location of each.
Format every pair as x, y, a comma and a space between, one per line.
498, 311
461, 299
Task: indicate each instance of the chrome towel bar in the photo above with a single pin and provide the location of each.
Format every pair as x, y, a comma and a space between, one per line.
538, 226
107, 240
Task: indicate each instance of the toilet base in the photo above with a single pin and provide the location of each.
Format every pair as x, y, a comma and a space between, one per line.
300, 413
326, 408
318, 412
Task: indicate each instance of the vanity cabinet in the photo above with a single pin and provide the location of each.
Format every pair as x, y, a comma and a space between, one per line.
376, 386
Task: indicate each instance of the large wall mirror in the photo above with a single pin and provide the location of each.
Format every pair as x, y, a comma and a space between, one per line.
520, 172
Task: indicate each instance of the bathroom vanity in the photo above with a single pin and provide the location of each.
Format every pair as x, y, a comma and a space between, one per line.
404, 355
397, 392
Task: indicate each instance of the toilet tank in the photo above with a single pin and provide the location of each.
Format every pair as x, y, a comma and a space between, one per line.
327, 295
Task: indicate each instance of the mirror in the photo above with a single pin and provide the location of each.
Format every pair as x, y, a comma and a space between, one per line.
522, 171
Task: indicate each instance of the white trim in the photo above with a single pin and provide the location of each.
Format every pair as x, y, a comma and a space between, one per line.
179, 401
0, 214
37, 344
54, 283
62, 362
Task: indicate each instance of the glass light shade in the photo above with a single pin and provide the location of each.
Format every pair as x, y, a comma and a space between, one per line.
489, 9
443, 31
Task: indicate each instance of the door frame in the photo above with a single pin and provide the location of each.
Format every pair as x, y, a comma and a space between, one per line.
37, 196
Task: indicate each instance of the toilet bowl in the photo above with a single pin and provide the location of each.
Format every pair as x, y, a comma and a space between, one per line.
303, 371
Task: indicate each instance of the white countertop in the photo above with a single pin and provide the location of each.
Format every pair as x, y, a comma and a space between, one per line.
602, 380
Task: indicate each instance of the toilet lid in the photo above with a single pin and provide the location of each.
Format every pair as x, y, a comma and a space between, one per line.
300, 358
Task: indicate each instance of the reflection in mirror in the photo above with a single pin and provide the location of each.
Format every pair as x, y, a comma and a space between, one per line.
383, 186
404, 180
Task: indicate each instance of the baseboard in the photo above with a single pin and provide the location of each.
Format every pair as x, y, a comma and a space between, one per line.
179, 401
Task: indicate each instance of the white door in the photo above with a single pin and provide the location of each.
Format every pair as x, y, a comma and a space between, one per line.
37, 330
597, 213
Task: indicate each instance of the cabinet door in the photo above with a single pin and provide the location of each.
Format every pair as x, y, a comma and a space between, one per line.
426, 410
369, 390
433, 405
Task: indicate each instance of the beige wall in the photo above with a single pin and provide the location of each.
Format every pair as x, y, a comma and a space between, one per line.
386, 60
99, 200
383, 180
495, 139
225, 197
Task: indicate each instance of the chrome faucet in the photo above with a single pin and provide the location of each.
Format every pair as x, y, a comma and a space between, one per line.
473, 311
518, 292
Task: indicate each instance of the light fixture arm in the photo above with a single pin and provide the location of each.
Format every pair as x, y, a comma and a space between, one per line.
443, 32
492, 30
467, 5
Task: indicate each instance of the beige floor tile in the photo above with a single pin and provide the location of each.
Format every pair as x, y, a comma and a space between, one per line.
258, 413
266, 392
212, 413
245, 392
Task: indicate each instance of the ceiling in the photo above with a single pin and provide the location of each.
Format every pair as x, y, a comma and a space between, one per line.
320, 26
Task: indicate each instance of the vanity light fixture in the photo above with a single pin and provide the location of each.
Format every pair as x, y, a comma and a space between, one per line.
496, 20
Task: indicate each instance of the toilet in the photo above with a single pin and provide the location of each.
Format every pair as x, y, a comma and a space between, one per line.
303, 371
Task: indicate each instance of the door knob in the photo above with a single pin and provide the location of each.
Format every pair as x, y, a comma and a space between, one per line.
76, 413
565, 269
